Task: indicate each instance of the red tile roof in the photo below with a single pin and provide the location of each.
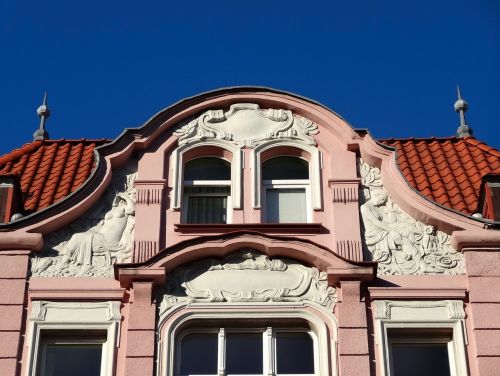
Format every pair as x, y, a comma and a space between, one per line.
50, 170
448, 171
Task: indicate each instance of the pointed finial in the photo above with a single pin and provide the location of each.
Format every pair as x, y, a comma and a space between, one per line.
461, 107
43, 113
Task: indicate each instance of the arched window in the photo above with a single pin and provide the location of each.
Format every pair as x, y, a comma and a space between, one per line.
247, 350
207, 190
286, 190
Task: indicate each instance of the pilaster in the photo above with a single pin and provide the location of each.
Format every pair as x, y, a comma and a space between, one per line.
13, 277
148, 214
141, 331
346, 225
353, 348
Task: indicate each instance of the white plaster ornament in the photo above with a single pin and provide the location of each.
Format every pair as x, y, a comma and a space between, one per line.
92, 244
399, 243
247, 276
246, 124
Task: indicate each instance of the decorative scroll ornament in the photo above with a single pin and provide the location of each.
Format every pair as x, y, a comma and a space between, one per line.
246, 124
91, 245
247, 276
399, 243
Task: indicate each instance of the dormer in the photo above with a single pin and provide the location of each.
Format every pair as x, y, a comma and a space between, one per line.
489, 197
10, 198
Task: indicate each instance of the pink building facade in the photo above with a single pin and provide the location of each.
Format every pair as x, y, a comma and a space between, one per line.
247, 231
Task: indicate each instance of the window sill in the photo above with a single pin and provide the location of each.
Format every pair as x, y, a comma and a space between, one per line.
275, 228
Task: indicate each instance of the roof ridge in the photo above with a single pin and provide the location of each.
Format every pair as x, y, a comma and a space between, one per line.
431, 138
30, 147
483, 146
19, 152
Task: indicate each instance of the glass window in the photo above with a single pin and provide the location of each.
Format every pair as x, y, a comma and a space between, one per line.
207, 168
294, 353
286, 190
207, 191
419, 353
286, 205
198, 354
76, 356
246, 352
206, 204
282, 168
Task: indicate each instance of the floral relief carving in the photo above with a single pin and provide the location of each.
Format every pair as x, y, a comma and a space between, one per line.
399, 243
92, 244
246, 124
247, 276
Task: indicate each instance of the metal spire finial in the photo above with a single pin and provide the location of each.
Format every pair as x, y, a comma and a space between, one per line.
461, 107
43, 113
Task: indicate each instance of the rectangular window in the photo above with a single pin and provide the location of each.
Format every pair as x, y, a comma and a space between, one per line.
286, 205
246, 352
420, 337
75, 354
286, 201
206, 204
419, 353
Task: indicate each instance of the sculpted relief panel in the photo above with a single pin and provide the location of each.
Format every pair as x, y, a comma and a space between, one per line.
399, 243
102, 236
246, 276
246, 124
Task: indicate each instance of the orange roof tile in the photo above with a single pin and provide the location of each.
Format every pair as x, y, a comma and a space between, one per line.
448, 171
50, 170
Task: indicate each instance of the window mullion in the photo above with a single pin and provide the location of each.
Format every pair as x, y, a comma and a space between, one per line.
269, 366
221, 361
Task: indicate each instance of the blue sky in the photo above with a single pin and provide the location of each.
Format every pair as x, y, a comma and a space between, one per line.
387, 65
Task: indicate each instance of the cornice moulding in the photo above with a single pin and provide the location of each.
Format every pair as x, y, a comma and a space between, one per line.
20, 240
476, 239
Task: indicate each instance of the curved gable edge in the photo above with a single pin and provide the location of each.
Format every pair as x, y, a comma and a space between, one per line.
410, 200
115, 154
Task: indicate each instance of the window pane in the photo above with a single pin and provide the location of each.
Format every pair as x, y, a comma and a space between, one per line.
207, 168
420, 359
286, 205
244, 353
294, 353
280, 168
211, 209
206, 204
199, 354
74, 359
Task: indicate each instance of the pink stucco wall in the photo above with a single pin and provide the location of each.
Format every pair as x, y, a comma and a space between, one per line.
336, 250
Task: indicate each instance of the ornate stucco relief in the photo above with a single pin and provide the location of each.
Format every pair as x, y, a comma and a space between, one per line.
454, 308
92, 244
247, 276
246, 124
399, 243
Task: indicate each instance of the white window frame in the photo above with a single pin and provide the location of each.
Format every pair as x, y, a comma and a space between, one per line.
287, 184
85, 340
425, 316
269, 363
315, 167
177, 162
53, 318
171, 327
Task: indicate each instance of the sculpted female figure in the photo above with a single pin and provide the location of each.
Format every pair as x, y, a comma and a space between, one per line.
104, 239
386, 235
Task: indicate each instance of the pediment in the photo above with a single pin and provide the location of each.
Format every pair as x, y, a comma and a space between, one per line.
247, 276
